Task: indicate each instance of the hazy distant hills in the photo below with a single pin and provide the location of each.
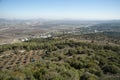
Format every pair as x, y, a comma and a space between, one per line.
86, 26
107, 27
36, 22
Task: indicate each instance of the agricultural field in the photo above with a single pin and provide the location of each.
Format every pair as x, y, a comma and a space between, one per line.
10, 59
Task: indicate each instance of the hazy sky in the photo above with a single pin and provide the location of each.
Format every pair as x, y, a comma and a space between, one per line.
60, 9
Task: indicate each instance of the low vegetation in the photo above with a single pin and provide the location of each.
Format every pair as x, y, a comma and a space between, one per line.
63, 59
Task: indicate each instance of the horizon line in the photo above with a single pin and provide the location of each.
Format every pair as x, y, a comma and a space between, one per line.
56, 19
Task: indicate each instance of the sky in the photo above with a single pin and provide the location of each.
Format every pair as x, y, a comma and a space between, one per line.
60, 9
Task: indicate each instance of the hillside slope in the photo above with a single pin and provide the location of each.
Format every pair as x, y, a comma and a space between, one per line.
60, 58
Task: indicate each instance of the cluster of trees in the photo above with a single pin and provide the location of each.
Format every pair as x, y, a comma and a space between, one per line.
66, 60
36, 44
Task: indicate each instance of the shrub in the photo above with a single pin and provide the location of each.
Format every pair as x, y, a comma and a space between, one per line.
111, 69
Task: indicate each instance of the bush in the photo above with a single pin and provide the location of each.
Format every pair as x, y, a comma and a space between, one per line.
88, 76
111, 69
71, 52
39, 75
